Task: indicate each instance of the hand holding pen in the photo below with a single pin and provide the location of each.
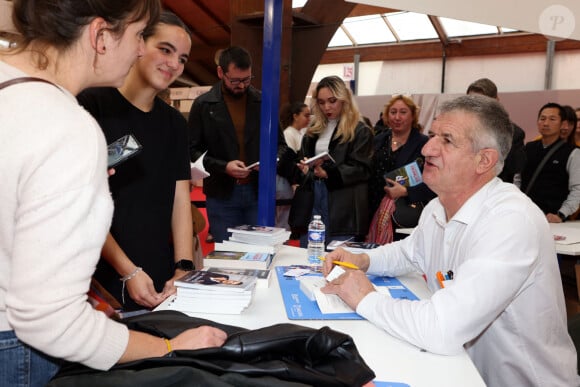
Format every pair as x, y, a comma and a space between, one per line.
360, 261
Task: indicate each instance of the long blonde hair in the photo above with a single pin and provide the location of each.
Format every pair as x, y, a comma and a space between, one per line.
349, 115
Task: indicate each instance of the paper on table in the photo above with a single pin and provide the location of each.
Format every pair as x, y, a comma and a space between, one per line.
197, 169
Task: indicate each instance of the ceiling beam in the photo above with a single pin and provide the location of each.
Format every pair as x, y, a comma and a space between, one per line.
513, 44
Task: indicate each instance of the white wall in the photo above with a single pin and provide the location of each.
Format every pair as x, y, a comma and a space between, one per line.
519, 77
511, 73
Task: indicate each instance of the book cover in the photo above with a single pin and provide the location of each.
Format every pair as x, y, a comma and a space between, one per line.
238, 259
409, 175
200, 279
262, 276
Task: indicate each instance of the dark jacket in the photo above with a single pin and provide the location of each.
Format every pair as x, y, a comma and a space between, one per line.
551, 188
347, 181
212, 130
410, 152
277, 355
516, 158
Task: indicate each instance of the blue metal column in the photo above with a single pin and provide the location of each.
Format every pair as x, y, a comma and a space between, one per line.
269, 111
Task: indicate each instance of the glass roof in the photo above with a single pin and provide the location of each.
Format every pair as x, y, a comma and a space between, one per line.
402, 26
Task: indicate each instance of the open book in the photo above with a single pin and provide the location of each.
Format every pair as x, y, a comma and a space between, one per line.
325, 156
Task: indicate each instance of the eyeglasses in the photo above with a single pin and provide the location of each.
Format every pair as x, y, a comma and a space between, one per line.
237, 81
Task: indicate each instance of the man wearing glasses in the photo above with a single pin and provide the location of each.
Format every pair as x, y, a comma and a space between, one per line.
225, 122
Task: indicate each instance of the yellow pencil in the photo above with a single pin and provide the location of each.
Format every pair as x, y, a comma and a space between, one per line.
340, 263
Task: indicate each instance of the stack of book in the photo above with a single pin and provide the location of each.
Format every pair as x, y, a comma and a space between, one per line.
259, 235
204, 291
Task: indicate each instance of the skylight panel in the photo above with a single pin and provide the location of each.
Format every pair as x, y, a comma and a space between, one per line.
412, 26
455, 28
368, 29
340, 39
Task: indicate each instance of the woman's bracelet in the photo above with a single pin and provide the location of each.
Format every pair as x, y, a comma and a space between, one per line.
127, 278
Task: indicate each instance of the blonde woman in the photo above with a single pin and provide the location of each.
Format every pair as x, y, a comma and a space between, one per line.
339, 187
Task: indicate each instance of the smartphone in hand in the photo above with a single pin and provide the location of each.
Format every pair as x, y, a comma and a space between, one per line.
122, 149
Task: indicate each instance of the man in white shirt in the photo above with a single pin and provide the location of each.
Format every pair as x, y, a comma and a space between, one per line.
487, 253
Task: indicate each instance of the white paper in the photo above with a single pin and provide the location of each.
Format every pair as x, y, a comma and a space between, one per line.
330, 303
197, 169
336, 272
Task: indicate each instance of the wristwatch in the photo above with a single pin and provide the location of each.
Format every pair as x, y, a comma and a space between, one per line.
562, 216
184, 264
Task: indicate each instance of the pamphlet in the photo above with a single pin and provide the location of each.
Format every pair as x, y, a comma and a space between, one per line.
409, 175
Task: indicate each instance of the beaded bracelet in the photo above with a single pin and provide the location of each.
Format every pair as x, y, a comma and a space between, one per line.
127, 278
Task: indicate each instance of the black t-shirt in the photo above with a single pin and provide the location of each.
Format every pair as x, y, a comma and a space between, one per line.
143, 187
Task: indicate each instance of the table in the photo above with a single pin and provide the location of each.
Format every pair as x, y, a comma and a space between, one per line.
392, 360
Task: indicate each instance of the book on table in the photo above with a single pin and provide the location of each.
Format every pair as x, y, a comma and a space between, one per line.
202, 291
408, 175
238, 259
216, 282
262, 276
258, 235
228, 245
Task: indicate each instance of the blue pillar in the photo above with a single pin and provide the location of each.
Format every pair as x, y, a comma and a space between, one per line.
269, 111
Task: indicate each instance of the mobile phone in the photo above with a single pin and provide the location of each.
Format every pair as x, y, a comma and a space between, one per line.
122, 149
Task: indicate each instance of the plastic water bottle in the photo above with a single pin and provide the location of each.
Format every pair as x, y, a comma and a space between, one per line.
316, 234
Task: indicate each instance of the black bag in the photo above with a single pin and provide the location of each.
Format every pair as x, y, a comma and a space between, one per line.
277, 355
302, 204
406, 214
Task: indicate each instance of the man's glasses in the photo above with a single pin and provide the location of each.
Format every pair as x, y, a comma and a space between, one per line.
237, 81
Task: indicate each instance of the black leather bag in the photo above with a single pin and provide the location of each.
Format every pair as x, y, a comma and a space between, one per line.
277, 355
302, 204
406, 214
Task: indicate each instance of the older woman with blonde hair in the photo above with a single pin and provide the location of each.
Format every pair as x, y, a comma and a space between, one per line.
396, 147
340, 186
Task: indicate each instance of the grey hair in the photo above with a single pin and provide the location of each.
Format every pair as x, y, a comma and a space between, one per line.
494, 129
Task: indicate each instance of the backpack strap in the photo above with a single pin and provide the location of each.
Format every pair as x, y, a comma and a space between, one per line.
542, 163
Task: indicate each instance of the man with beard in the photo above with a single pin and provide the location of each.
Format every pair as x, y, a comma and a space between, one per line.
225, 122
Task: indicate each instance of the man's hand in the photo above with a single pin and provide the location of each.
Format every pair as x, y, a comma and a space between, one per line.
142, 291
362, 261
553, 218
237, 169
352, 287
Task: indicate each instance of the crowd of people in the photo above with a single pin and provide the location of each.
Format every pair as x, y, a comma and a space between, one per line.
481, 210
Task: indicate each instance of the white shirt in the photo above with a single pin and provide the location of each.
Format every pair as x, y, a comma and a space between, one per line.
505, 305
325, 137
55, 214
293, 138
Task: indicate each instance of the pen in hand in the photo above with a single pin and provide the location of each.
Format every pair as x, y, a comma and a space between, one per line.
340, 263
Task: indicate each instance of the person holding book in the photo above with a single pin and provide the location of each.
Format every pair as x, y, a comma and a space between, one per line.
338, 182
151, 190
488, 257
225, 123
56, 205
399, 145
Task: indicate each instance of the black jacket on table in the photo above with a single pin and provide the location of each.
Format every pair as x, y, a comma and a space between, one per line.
410, 152
286, 355
347, 181
212, 130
